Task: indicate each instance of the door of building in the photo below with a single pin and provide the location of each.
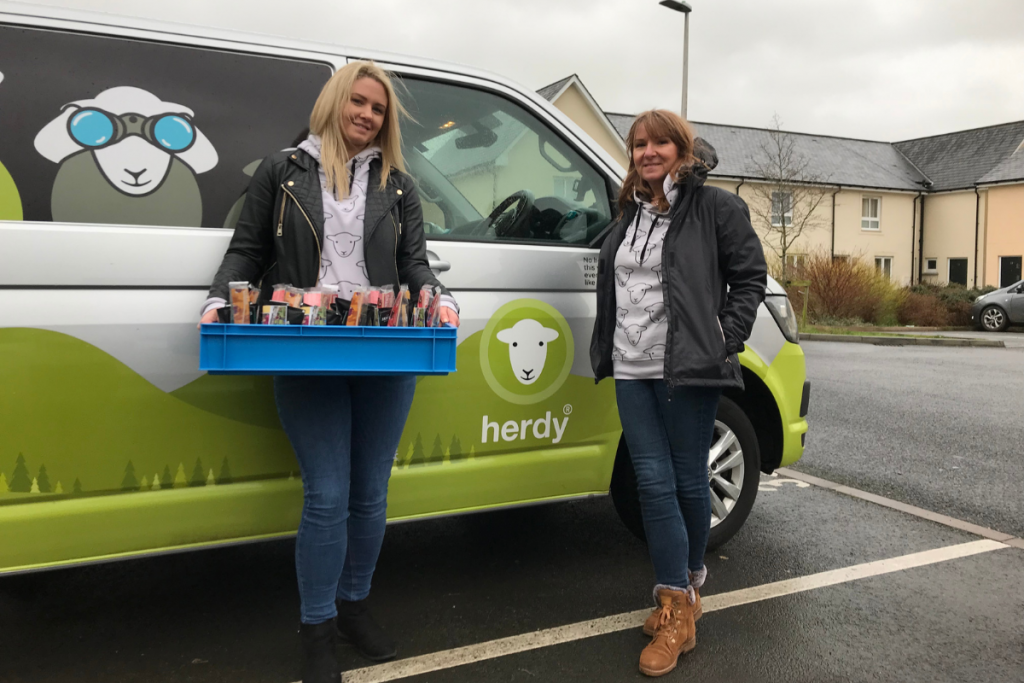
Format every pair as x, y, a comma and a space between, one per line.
1009, 270
958, 271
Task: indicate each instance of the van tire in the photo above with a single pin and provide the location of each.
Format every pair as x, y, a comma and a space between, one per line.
627, 500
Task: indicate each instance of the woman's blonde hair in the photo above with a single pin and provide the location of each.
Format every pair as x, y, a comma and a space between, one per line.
657, 123
326, 122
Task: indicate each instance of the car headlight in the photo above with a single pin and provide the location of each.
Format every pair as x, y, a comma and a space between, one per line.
980, 298
784, 315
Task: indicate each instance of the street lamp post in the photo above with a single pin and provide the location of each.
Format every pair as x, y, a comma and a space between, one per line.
685, 8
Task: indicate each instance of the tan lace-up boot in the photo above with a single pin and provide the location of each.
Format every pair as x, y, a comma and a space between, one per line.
676, 633
651, 625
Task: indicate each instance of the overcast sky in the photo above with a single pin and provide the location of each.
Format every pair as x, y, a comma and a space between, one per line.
876, 69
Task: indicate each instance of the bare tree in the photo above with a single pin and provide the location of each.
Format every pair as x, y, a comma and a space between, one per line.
787, 198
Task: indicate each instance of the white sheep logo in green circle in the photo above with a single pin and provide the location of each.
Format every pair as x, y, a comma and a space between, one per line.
527, 348
126, 156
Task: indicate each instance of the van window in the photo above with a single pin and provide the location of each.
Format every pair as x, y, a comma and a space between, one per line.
109, 130
488, 169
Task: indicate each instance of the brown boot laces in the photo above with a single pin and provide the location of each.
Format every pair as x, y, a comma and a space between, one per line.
668, 624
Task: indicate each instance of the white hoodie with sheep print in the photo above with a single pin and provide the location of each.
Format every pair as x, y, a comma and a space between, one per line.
640, 322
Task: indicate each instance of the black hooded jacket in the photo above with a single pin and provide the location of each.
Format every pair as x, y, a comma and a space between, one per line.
280, 233
714, 274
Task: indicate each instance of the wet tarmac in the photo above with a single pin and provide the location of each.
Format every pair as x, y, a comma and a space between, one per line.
231, 614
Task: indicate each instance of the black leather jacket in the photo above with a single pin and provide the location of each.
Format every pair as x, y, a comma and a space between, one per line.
714, 272
280, 233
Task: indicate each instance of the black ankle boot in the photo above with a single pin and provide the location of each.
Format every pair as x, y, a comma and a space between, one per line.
357, 626
319, 659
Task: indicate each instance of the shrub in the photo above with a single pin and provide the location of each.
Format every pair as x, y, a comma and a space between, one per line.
840, 288
922, 310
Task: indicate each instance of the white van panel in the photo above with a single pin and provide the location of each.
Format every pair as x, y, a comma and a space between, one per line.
83, 255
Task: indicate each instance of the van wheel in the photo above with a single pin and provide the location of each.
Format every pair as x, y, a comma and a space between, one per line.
733, 473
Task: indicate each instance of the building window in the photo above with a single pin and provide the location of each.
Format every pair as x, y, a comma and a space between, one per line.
782, 209
871, 211
931, 266
841, 258
795, 262
883, 266
957, 271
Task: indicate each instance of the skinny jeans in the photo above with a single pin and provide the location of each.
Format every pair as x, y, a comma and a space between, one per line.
668, 442
345, 432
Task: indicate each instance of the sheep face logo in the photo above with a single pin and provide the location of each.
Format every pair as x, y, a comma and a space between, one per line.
527, 348
526, 351
126, 157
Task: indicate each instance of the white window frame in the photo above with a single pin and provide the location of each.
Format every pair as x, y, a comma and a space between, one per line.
796, 260
931, 271
881, 264
783, 219
867, 221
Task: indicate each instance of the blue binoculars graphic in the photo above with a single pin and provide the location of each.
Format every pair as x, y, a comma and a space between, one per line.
95, 129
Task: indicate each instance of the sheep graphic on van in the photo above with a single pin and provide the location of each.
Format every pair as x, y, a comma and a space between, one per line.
128, 157
527, 348
10, 199
526, 351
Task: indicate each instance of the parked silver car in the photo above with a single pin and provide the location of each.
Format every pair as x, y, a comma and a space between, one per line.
995, 311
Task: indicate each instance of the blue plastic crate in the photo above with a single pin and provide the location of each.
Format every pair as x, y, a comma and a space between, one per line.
326, 350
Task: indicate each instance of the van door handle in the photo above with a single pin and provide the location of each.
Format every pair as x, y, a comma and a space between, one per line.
437, 264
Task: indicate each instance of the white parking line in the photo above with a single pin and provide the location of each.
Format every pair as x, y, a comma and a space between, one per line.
493, 649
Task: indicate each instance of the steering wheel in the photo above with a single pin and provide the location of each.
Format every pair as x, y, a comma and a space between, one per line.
510, 224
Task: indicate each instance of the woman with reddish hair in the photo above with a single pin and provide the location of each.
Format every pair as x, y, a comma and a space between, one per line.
680, 278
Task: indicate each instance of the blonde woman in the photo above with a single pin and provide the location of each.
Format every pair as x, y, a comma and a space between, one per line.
680, 278
338, 210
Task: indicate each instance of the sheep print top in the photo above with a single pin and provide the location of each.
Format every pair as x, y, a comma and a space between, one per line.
640, 322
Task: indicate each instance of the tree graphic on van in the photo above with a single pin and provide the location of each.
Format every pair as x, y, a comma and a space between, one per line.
225, 473
130, 482
198, 475
437, 452
43, 479
20, 481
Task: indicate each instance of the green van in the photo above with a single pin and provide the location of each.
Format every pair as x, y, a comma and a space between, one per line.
114, 445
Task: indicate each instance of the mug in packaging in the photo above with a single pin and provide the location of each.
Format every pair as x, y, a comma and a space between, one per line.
254, 306
434, 310
399, 310
293, 297
275, 314
371, 308
355, 308
314, 314
280, 293
239, 302
337, 314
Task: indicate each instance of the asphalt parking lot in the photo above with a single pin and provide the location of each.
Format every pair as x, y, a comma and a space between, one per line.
941, 428
818, 586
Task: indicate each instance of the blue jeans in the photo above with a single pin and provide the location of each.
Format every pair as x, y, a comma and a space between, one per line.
345, 431
669, 442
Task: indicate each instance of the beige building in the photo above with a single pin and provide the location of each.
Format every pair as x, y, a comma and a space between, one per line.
942, 209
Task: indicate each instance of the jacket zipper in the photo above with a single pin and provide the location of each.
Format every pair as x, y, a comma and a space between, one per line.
280, 219
319, 254
398, 231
